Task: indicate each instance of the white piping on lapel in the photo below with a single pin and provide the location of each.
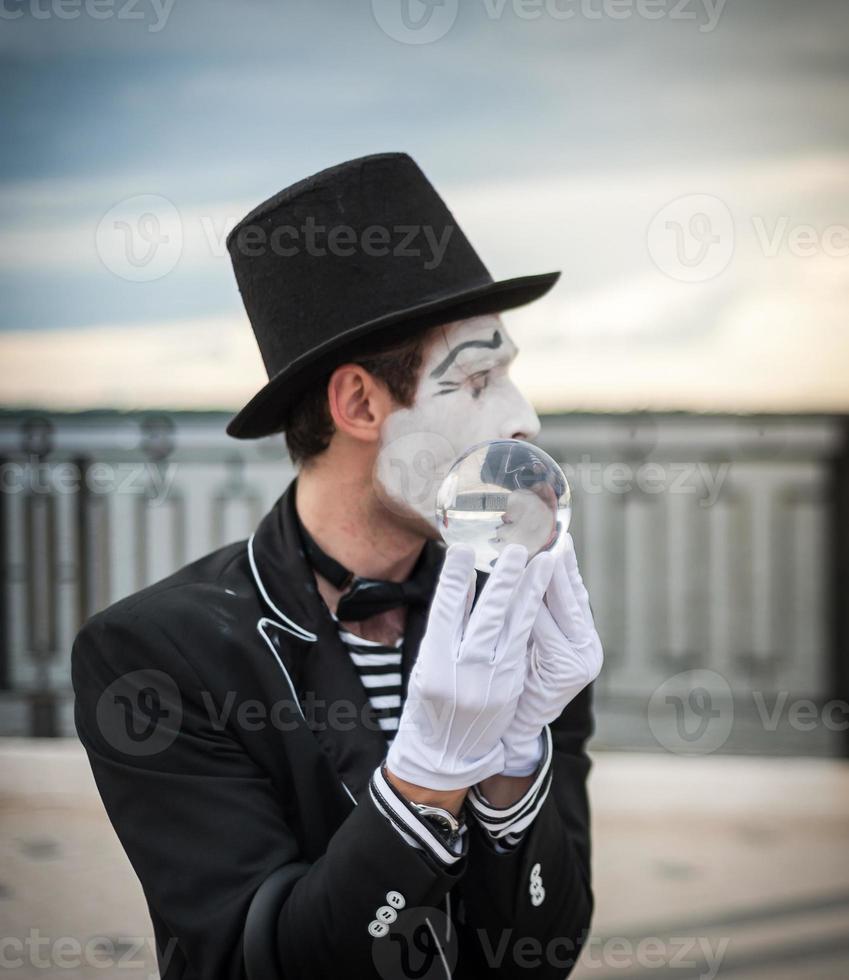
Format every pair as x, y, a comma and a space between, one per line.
260, 627
439, 947
293, 628
304, 634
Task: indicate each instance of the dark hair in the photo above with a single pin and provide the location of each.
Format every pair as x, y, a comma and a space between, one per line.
308, 424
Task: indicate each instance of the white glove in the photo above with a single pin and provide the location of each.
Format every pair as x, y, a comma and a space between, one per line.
470, 670
565, 657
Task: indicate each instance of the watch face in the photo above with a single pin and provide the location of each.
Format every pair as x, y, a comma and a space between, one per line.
443, 829
443, 822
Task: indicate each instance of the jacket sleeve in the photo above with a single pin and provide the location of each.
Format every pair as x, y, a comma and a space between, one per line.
204, 827
528, 909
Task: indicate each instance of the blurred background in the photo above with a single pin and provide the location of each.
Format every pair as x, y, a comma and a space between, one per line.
685, 163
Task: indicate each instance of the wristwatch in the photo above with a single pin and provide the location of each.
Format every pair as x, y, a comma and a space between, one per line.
444, 822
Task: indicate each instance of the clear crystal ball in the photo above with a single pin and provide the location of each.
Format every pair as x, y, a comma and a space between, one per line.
501, 492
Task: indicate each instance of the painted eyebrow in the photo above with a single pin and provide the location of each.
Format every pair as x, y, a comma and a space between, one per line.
489, 362
443, 365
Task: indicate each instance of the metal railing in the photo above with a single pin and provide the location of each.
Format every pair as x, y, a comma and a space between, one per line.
714, 549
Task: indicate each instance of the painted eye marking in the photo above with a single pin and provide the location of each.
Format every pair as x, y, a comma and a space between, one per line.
479, 382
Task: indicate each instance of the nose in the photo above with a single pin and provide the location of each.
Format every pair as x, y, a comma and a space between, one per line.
521, 421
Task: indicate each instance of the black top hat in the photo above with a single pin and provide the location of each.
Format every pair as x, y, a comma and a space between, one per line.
364, 248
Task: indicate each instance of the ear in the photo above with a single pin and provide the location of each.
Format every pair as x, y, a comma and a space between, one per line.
359, 403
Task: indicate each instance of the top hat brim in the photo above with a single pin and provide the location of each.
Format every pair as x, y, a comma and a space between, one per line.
263, 415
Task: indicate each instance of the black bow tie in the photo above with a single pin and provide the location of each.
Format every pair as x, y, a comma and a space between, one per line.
366, 597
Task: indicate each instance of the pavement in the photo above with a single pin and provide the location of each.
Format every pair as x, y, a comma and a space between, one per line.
718, 866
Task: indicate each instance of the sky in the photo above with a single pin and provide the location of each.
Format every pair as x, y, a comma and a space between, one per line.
683, 162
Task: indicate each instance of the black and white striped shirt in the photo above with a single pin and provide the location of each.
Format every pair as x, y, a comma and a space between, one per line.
379, 667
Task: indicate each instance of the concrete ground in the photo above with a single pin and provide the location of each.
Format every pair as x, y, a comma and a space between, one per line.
704, 867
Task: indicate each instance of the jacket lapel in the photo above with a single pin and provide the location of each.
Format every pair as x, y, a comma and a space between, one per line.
318, 668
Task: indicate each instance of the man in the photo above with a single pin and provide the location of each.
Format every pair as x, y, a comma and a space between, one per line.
243, 718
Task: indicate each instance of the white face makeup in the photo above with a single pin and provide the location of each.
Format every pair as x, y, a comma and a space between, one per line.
464, 396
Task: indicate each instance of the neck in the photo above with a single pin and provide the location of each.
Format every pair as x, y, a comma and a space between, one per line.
348, 521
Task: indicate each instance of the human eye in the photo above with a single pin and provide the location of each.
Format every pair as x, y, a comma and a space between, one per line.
479, 382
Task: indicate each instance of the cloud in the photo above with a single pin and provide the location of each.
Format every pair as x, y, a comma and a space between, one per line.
555, 144
780, 346
210, 363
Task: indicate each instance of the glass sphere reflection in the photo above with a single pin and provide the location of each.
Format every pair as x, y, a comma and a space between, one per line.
501, 492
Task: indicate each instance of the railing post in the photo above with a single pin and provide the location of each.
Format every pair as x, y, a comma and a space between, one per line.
40, 529
840, 574
5, 625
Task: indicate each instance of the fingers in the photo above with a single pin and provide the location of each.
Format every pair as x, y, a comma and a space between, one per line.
564, 605
452, 598
571, 561
560, 669
488, 616
547, 635
526, 602
559, 656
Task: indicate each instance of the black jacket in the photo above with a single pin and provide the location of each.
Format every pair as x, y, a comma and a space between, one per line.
233, 743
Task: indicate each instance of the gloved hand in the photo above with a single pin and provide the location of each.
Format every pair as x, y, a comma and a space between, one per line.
470, 669
565, 657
